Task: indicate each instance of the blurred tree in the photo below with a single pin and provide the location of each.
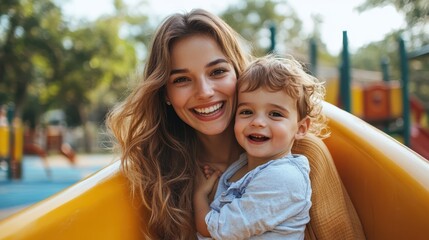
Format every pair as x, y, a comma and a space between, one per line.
95, 60
79, 69
370, 56
324, 57
416, 14
30, 47
135, 26
252, 19
95, 70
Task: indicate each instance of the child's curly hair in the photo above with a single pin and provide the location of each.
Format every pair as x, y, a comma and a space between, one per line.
286, 74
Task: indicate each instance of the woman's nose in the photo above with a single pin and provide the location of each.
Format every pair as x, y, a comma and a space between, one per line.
204, 88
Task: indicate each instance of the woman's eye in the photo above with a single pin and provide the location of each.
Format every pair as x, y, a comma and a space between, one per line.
180, 80
275, 114
218, 72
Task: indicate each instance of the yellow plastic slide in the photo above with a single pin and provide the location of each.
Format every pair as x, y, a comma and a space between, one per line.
387, 182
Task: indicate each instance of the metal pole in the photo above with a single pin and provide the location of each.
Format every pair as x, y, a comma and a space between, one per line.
405, 91
272, 38
4, 139
18, 147
385, 69
313, 57
345, 94
10, 112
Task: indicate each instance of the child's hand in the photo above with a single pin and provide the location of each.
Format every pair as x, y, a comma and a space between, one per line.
205, 180
209, 170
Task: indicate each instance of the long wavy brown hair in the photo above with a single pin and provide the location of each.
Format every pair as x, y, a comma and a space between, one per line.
158, 150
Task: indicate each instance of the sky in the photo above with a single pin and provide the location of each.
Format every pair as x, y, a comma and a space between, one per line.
338, 16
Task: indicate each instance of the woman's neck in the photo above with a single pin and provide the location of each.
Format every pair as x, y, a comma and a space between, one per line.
222, 149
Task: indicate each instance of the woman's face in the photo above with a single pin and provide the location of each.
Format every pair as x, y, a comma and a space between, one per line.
201, 86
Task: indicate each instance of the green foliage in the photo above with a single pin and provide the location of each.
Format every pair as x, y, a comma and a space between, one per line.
46, 64
30, 32
416, 14
370, 56
252, 20
415, 11
95, 58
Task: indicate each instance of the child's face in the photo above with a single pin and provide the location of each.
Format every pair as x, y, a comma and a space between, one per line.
267, 123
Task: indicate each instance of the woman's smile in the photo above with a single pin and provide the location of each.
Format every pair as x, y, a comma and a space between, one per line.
209, 113
202, 87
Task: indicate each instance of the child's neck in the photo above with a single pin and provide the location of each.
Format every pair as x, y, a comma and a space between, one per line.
253, 162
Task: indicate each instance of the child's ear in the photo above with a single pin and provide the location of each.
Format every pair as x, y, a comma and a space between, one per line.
303, 127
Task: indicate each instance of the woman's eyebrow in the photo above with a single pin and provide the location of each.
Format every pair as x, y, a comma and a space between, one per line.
176, 71
210, 64
217, 61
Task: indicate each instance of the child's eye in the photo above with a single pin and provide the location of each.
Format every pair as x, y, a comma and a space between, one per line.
245, 112
275, 114
180, 79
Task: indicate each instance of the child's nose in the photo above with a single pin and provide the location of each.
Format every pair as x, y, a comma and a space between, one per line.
258, 121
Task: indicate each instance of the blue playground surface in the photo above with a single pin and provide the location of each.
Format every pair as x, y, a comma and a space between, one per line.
37, 184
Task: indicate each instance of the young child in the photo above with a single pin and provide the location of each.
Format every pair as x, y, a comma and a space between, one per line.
266, 194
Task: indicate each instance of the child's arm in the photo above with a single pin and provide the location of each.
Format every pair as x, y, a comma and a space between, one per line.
202, 187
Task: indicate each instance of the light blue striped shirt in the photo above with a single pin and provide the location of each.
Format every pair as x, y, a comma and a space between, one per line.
270, 202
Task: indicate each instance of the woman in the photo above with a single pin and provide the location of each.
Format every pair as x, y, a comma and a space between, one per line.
180, 114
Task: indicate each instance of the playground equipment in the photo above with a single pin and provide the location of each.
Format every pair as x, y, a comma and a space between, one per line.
385, 104
11, 142
387, 182
15, 141
53, 135
419, 135
55, 142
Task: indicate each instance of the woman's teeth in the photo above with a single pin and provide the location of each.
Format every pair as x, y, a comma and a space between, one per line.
208, 110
